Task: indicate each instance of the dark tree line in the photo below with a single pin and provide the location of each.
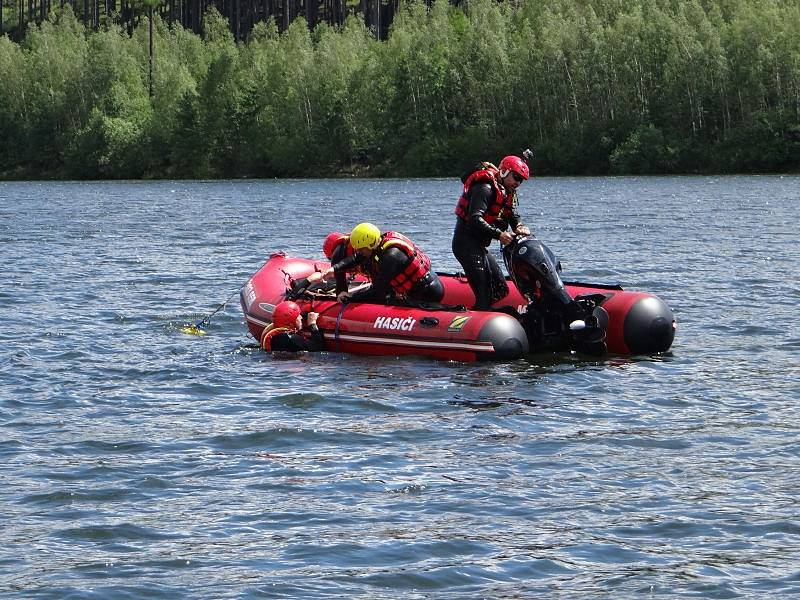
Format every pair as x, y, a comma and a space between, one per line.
601, 86
242, 15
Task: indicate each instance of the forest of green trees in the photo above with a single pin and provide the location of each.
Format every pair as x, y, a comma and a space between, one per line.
598, 86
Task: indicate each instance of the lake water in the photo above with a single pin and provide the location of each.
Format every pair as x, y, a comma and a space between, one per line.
139, 462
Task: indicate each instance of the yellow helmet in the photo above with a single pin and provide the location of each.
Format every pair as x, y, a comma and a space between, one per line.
365, 235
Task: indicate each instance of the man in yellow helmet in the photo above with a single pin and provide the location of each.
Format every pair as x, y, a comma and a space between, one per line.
396, 265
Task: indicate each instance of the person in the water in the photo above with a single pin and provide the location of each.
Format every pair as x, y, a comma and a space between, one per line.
287, 332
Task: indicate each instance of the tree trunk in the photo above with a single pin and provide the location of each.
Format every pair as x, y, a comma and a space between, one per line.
150, 27
312, 13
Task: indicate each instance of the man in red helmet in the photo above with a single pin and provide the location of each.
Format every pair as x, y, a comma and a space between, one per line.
486, 210
336, 248
287, 333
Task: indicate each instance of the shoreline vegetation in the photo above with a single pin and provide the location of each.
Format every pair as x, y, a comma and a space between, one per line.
607, 87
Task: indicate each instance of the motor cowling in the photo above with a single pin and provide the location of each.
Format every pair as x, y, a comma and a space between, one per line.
535, 270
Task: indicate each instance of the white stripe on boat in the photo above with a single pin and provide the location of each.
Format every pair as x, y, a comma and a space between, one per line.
398, 341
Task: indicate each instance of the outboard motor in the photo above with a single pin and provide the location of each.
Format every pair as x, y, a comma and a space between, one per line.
535, 270
553, 320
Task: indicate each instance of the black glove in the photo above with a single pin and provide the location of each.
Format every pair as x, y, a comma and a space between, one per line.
299, 285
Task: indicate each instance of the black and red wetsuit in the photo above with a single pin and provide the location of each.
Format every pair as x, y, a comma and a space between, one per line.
397, 267
291, 340
484, 210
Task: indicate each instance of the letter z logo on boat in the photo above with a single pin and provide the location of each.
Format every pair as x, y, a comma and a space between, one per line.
457, 324
394, 323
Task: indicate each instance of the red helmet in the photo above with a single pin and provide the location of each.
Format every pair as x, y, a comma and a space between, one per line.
285, 314
516, 164
329, 245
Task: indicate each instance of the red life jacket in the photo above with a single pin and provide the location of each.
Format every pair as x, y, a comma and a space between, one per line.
503, 204
417, 268
269, 333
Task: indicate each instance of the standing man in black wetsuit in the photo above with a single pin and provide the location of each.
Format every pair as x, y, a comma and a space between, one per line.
396, 265
486, 209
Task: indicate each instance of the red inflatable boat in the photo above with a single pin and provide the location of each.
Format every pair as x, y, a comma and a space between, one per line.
633, 322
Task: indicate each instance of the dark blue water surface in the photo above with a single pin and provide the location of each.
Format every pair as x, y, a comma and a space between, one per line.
140, 462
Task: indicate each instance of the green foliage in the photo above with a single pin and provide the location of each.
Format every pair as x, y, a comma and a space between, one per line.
622, 86
176, 147
645, 151
59, 98
111, 144
14, 116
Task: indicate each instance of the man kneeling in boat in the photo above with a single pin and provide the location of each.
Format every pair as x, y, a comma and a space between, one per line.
287, 333
396, 265
336, 248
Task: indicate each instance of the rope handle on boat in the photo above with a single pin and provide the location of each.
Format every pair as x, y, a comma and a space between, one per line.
320, 295
336, 329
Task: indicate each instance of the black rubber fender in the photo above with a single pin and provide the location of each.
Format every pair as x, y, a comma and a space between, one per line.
649, 326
